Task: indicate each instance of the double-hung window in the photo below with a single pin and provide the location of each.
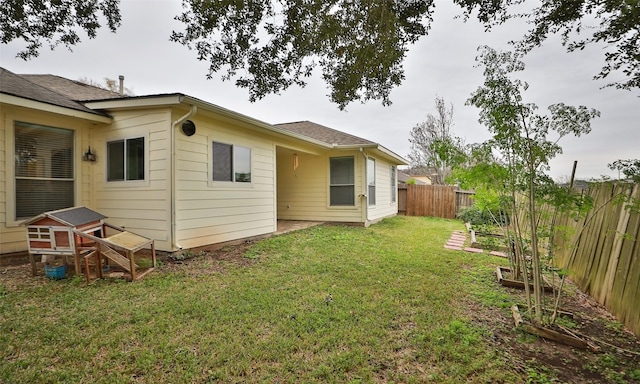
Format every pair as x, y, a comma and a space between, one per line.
394, 184
43, 169
231, 163
342, 181
371, 180
125, 159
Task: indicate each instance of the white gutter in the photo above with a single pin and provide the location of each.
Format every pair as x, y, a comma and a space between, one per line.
391, 155
136, 102
174, 126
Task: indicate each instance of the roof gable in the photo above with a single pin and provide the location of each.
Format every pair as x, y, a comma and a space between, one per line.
74, 90
324, 134
16, 85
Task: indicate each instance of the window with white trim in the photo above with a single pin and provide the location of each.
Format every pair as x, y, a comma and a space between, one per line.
342, 181
231, 163
371, 180
44, 176
394, 183
125, 159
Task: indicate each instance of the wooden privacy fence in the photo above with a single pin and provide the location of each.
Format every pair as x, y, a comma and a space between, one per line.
463, 199
432, 200
602, 251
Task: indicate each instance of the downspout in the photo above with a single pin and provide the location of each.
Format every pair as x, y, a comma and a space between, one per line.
174, 126
366, 188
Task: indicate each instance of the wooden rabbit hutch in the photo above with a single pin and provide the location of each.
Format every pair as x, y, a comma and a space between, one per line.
82, 238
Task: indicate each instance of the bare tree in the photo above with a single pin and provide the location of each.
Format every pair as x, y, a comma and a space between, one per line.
434, 149
108, 84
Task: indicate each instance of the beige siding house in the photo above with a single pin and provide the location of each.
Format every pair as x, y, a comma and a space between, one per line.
177, 169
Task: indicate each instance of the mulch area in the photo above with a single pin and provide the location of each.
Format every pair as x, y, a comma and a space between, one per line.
619, 349
618, 355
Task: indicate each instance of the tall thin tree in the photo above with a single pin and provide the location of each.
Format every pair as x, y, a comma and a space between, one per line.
434, 149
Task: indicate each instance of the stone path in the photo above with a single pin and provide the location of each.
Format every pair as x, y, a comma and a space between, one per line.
457, 243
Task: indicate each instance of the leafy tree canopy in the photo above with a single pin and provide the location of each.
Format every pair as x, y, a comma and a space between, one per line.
360, 45
615, 23
630, 168
54, 22
269, 45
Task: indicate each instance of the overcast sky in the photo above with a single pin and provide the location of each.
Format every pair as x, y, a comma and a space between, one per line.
440, 64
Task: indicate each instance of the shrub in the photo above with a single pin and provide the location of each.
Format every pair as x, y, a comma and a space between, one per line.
475, 216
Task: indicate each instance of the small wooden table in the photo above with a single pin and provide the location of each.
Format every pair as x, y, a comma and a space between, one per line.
125, 241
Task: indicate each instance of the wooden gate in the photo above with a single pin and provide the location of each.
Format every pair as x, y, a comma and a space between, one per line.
431, 200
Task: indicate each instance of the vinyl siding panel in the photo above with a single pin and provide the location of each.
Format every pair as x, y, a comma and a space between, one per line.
303, 193
225, 232
143, 207
211, 212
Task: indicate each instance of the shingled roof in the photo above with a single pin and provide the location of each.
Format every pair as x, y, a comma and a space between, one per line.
75, 90
16, 85
324, 134
73, 216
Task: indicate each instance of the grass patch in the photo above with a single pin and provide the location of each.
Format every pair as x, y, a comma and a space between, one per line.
331, 303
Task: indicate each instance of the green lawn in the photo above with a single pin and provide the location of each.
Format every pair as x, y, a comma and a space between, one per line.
328, 304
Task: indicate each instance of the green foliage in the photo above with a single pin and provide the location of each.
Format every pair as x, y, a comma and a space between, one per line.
144, 263
567, 322
612, 22
411, 181
629, 168
360, 46
539, 376
490, 243
476, 216
608, 365
521, 138
270, 45
54, 22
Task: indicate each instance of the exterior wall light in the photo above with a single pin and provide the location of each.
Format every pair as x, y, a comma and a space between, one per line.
88, 155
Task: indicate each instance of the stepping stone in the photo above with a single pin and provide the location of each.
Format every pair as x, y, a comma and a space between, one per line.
499, 254
453, 247
460, 238
454, 242
473, 250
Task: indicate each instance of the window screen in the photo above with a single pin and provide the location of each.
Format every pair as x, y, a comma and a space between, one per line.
394, 184
342, 181
43, 169
125, 159
371, 181
231, 163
